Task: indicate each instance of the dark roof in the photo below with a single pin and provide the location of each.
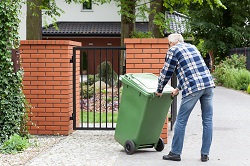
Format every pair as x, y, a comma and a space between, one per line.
177, 25
89, 28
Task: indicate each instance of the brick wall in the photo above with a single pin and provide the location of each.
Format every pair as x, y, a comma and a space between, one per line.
48, 84
147, 56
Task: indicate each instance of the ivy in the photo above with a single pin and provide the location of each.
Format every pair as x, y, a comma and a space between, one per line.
12, 99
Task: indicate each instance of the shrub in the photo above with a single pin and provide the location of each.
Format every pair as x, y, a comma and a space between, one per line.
15, 144
235, 61
106, 73
233, 78
232, 73
229, 78
242, 79
138, 34
87, 92
91, 79
248, 89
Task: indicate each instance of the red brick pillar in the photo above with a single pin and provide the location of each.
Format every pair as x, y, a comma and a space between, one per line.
48, 84
147, 56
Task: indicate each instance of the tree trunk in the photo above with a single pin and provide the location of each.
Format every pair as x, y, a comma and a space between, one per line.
212, 60
155, 7
127, 26
127, 23
34, 21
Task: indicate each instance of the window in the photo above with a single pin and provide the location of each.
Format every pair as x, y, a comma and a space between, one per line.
87, 5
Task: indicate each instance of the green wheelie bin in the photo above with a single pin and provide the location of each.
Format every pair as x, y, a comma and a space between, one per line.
141, 113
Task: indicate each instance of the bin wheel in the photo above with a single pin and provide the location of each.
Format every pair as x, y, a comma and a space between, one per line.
129, 147
160, 145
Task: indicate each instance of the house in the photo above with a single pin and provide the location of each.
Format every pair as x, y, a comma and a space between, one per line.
95, 25
91, 20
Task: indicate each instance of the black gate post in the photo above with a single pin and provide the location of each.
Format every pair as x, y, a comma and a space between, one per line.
74, 88
174, 103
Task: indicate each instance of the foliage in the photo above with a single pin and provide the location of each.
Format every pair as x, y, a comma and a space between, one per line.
243, 79
248, 89
50, 9
138, 34
107, 74
201, 48
15, 144
232, 73
236, 61
12, 99
221, 29
91, 79
87, 91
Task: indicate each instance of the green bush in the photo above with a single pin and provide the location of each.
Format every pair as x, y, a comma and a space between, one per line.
248, 89
242, 79
229, 78
138, 34
235, 61
91, 79
106, 73
87, 92
15, 144
232, 73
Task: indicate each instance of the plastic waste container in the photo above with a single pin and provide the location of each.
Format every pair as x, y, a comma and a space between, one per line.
141, 113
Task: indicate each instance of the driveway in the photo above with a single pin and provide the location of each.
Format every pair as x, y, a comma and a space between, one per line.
231, 141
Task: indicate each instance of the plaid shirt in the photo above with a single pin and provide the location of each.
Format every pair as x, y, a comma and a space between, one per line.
190, 68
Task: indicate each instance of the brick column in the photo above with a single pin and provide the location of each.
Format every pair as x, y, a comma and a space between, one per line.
147, 56
48, 84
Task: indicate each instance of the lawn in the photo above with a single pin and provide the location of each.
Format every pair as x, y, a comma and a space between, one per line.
90, 116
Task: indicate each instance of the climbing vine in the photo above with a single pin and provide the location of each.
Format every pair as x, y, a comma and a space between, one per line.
12, 99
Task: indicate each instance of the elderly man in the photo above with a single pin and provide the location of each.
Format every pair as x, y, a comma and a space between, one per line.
196, 83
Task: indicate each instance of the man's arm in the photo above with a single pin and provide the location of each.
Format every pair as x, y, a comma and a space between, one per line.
167, 71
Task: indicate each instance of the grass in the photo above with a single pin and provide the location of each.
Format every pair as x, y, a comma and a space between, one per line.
85, 114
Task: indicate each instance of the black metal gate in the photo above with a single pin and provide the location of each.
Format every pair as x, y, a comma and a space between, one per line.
100, 88
100, 68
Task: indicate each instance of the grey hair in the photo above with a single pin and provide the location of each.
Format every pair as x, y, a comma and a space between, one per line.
175, 37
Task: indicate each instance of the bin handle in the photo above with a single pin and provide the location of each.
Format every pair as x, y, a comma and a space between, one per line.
138, 80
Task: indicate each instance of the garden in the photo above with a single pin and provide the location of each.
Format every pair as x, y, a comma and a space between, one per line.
232, 73
100, 95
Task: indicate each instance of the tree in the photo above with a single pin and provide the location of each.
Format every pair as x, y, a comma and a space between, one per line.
221, 29
37, 8
127, 18
34, 20
156, 7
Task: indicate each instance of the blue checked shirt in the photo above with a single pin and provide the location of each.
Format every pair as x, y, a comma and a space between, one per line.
190, 68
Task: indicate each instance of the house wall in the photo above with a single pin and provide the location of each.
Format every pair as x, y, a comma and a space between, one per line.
22, 25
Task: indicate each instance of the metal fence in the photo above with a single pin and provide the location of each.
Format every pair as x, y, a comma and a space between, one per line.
99, 87
244, 51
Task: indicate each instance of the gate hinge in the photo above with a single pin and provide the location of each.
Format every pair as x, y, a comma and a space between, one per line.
71, 60
72, 117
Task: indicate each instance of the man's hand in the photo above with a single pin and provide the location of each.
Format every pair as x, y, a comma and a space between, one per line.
158, 94
175, 92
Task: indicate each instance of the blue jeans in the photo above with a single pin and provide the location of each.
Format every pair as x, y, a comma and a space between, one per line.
187, 105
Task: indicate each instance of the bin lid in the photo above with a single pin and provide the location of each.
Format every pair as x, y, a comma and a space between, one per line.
145, 82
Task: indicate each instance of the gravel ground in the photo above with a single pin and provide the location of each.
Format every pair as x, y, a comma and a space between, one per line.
38, 145
84, 148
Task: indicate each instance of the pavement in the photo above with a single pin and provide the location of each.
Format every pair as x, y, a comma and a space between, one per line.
230, 147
